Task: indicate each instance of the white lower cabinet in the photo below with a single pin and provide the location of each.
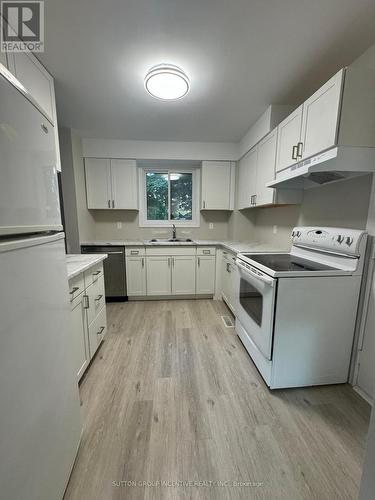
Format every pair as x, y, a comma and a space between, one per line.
228, 280
183, 275
136, 276
79, 334
206, 269
88, 315
158, 275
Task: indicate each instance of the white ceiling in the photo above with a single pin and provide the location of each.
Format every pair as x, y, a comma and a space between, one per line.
240, 55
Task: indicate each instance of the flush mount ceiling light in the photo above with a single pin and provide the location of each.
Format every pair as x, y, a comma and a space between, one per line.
167, 82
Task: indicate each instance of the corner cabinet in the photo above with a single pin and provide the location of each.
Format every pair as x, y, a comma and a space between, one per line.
111, 184
217, 185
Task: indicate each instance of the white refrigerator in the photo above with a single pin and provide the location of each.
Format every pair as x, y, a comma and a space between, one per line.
40, 423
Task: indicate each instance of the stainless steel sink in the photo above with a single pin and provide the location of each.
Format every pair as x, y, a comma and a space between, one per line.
171, 240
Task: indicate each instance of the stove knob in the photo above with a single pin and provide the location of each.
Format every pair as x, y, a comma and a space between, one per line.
349, 241
340, 239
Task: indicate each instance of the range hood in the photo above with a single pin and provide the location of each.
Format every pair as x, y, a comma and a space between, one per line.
338, 163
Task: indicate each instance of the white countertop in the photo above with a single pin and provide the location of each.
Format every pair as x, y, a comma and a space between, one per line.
233, 246
77, 263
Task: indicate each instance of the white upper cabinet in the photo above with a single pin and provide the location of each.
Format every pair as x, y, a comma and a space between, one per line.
98, 183
36, 79
247, 179
288, 137
111, 184
217, 185
266, 169
320, 118
124, 184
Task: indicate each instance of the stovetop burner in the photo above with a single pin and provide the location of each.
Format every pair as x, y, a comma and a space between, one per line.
287, 262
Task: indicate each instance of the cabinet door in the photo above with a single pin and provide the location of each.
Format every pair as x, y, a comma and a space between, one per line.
247, 178
80, 336
225, 279
98, 186
216, 185
135, 276
288, 136
266, 168
321, 116
158, 275
124, 184
97, 331
183, 275
206, 267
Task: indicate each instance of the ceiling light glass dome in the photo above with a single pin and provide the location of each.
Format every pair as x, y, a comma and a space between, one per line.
167, 82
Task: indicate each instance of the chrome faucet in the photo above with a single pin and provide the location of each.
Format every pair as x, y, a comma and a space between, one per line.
174, 232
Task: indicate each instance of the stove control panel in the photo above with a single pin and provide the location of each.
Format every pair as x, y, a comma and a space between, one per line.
329, 239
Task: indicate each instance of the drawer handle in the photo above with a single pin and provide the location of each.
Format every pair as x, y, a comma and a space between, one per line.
74, 289
99, 297
134, 252
206, 252
102, 328
96, 273
86, 305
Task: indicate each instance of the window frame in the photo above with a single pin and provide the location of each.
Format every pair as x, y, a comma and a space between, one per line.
194, 222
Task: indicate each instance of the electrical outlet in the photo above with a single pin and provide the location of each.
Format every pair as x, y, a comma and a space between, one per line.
211, 225
119, 225
274, 229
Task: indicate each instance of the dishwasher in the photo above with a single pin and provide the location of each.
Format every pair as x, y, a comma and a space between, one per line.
114, 270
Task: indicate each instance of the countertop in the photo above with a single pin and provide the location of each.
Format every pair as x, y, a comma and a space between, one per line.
77, 263
232, 246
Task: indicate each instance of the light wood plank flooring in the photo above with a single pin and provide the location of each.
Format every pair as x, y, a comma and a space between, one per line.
173, 396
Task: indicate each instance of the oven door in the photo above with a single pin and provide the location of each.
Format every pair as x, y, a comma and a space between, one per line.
255, 303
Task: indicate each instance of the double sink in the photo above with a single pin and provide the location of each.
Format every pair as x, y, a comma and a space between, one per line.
171, 240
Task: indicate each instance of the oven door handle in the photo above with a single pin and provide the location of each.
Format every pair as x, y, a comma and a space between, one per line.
254, 272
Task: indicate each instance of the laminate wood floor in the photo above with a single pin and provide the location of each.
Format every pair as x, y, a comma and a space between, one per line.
172, 396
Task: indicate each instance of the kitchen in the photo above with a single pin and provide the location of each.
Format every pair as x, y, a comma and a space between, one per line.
186, 249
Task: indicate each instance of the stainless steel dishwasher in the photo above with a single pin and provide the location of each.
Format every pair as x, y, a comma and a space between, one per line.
114, 270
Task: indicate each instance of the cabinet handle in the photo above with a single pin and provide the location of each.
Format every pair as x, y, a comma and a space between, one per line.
228, 267
204, 204
143, 262
102, 328
299, 149
44, 128
172, 261
294, 152
199, 261
109, 203
255, 199
99, 297
87, 302
134, 252
169, 262
113, 203
206, 252
96, 273
74, 289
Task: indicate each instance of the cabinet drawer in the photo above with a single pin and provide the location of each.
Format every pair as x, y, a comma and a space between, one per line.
169, 250
206, 250
97, 331
96, 298
93, 274
76, 286
135, 251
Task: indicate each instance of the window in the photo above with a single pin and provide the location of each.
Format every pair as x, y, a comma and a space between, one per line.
170, 197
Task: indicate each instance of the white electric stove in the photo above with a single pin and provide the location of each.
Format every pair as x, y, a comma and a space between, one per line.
296, 312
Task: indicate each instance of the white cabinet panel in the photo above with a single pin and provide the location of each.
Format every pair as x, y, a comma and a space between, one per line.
266, 168
247, 179
97, 331
321, 116
136, 276
289, 132
206, 268
217, 185
183, 275
229, 282
98, 183
158, 275
96, 298
80, 336
124, 184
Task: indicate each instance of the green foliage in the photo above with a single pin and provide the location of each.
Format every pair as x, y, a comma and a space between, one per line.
157, 196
